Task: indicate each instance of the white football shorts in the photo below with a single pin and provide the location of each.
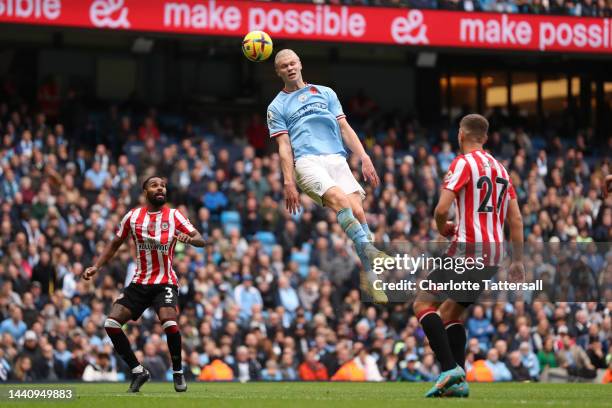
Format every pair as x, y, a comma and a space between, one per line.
315, 174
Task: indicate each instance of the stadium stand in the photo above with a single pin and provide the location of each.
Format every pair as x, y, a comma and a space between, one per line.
276, 292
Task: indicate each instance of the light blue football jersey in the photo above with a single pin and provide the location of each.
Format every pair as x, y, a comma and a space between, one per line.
310, 116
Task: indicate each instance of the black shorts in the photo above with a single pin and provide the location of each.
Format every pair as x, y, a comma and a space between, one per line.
138, 298
463, 297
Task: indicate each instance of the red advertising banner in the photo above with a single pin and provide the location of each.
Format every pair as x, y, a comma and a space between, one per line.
408, 27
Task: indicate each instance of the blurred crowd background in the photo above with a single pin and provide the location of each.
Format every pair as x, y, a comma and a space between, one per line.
275, 297
584, 8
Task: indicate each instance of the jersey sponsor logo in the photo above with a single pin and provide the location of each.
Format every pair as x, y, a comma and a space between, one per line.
309, 109
152, 245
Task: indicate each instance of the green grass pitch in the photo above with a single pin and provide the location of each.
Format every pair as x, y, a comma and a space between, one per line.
336, 395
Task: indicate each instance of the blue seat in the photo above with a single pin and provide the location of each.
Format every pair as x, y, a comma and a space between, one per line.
267, 239
230, 220
302, 259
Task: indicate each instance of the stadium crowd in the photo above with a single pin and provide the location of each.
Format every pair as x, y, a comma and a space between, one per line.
579, 8
275, 297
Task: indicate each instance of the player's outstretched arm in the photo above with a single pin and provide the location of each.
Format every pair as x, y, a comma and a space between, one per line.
106, 256
195, 239
445, 228
515, 222
292, 198
354, 144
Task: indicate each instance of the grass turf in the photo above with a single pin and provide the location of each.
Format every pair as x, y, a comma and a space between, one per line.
336, 395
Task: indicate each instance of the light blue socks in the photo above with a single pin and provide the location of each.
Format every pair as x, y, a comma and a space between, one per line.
356, 233
351, 226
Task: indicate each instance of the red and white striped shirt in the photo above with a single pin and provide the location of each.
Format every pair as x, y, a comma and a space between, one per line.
483, 189
153, 234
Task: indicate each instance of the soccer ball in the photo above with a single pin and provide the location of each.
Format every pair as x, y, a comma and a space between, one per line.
257, 46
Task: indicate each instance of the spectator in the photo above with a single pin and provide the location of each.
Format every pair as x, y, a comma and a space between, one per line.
154, 362
428, 369
581, 329
475, 348
530, 360
30, 345
479, 371
217, 370
350, 371
498, 368
95, 177
247, 296
311, 369
42, 274
257, 134
77, 364
47, 367
410, 372
79, 310
517, 369
5, 367
14, 325
607, 377
523, 335
596, 354
22, 371
258, 185
479, 327
573, 358
214, 200
245, 368
288, 367
62, 354
546, 356
148, 130
101, 370
446, 156
287, 296
271, 372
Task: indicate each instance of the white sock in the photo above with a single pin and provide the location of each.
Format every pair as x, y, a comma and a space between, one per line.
138, 370
177, 372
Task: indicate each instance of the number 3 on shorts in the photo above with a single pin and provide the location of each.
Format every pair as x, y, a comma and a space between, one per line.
168, 296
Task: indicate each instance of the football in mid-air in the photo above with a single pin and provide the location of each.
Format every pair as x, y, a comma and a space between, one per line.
257, 46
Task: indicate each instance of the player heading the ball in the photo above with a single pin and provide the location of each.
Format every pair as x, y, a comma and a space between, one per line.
311, 130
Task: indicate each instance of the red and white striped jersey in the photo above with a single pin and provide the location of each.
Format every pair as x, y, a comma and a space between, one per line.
153, 234
483, 189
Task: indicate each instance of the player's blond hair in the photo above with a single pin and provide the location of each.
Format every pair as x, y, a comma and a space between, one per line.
475, 127
285, 52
